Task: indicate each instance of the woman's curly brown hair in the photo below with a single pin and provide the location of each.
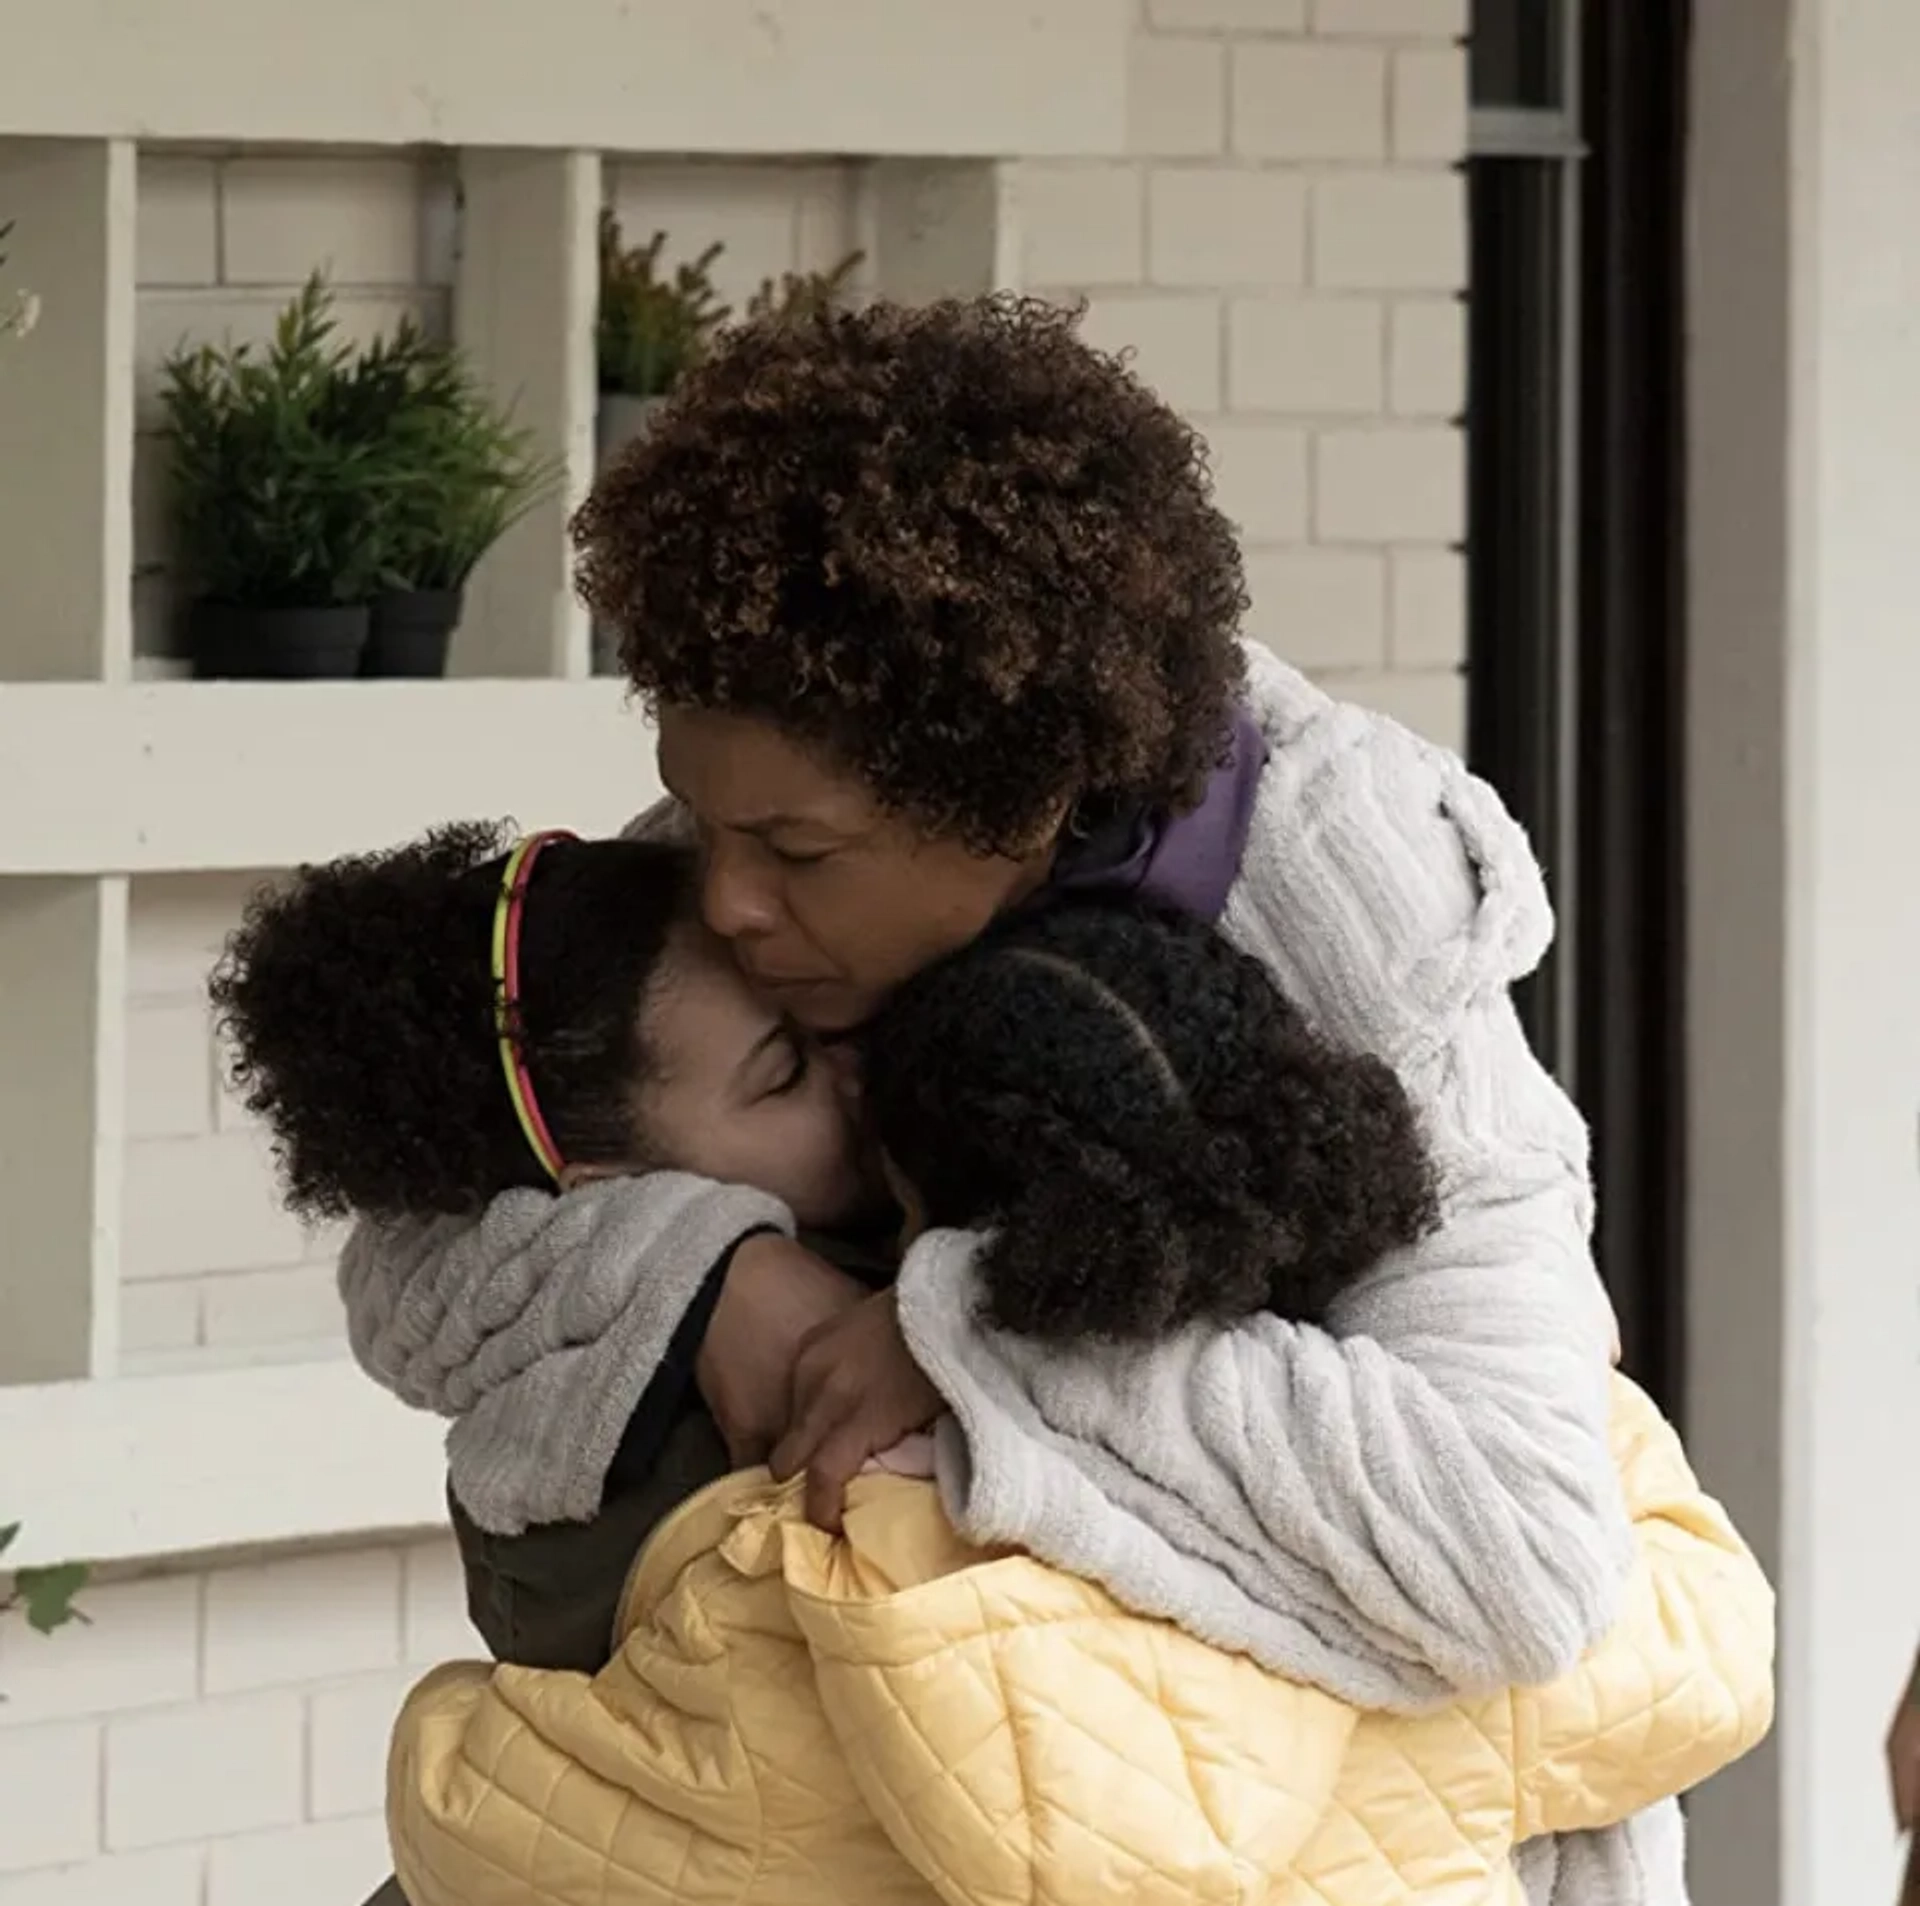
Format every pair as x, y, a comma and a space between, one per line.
972, 559
1150, 1132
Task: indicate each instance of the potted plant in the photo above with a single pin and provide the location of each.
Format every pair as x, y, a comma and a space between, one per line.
803, 294
652, 329
458, 474
277, 513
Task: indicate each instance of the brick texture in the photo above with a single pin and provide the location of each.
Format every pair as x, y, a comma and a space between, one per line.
1427, 358
1298, 293
313, 1865
166, 1876
1307, 356
348, 1727
218, 1735
433, 1612
1390, 231
1214, 226
1242, 16
1081, 224
139, 1648
1177, 97
50, 1793
274, 1624
1392, 19
1307, 100
195, 1773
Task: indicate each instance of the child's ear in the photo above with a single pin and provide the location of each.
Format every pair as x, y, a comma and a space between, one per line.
572, 1177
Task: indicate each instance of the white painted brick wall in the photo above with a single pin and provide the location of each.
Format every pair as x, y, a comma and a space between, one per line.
214, 1271
1297, 291
217, 1739
1285, 249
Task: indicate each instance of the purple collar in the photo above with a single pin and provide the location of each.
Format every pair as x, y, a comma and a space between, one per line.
1189, 861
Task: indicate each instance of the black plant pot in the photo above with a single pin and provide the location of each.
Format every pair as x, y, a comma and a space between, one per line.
408, 633
250, 642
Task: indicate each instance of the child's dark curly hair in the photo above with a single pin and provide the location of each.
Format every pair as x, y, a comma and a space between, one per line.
970, 557
358, 1003
1153, 1135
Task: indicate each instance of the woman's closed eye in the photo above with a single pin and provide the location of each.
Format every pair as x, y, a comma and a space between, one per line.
799, 856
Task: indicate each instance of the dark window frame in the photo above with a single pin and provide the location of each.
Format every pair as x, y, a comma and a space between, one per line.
1576, 547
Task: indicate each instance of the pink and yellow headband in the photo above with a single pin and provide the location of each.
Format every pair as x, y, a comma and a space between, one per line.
508, 911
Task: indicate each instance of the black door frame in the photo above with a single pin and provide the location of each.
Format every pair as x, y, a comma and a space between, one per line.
1630, 747
1576, 573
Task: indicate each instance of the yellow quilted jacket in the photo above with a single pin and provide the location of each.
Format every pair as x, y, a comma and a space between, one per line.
893, 1719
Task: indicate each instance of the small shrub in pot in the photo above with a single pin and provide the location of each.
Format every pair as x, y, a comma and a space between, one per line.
804, 294
461, 475
277, 515
652, 327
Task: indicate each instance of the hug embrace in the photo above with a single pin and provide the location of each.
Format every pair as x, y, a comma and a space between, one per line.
1016, 1313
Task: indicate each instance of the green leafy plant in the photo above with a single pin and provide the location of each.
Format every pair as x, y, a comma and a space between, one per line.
45, 1596
803, 294
652, 328
460, 472
275, 503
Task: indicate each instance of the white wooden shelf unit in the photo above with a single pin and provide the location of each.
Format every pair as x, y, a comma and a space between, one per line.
103, 778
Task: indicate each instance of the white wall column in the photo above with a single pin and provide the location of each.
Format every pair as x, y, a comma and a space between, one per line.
1804, 898
66, 411
66, 548
524, 310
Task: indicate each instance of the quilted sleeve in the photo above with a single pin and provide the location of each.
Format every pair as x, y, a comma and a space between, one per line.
511, 1784
695, 1766
1682, 1686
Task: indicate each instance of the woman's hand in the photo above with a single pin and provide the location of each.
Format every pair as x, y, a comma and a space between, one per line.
776, 1296
1903, 1755
856, 1391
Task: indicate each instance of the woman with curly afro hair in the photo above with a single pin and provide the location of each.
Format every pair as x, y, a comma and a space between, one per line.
938, 619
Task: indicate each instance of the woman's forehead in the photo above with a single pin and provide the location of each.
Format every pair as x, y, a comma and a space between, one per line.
742, 772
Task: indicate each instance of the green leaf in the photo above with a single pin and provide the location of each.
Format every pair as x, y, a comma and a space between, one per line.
7, 1533
47, 1594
